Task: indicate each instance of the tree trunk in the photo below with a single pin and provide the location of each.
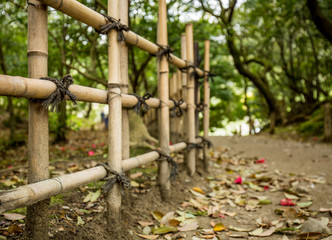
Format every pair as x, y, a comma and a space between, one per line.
322, 23
259, 81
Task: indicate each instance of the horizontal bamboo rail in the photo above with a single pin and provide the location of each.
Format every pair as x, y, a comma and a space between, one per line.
17, 86
94, 19
32, 193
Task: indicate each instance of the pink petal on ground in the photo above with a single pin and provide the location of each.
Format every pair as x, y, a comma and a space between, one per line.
238, 180
93, 145
261, 160
286, 202
91, 153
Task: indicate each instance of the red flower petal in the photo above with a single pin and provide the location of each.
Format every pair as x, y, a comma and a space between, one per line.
286, 202
238, 180
261, 160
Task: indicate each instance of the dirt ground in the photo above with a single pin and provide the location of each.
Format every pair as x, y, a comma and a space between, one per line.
240, 198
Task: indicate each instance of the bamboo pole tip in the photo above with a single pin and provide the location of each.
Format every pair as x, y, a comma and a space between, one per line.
189, 24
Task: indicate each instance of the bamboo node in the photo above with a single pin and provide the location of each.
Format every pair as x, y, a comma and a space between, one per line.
60, 92
205, 141
164, 51
112, 23
141, 107
165, 157
176, 110
113, 177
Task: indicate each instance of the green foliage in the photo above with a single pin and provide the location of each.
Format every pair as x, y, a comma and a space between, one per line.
277, 42
314, 126
57, 200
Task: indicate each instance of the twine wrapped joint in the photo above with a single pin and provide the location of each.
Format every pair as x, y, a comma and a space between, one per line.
205, 141
164, 51
185, 69
59, 94
176, 110
191, 146
141, 107
114, 177
200, 107
209, 76
174, 167
113, 23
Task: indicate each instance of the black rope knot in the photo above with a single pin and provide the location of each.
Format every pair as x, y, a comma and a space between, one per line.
113, 23
141, 106
205, 141
62, 89
209, 76
164, 51
200, 107
185, 69
174, 167
191, 146
114, 177
176, 110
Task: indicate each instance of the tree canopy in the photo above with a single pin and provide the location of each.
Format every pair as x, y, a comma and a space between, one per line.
273, 59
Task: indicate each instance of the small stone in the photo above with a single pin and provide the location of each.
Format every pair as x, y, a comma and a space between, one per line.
146, 230
313, 225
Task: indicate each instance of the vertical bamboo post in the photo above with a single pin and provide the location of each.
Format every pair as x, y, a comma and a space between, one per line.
191, 161
184, 91
163, 92
114, 115
123, 14
179, 121
38, 149
172, 94
206, 119
327, 122
197, 95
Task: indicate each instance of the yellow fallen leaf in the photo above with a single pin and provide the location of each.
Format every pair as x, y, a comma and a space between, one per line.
157, 215
164, 229
134, 184
198, 189
219, 227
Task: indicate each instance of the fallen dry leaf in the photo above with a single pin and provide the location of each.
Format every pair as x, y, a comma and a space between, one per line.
144, 224
198, 189
13, 216
239, 229
256, 232
152, 237
219, 227
188, 227
164, 229
157, 215
309, 236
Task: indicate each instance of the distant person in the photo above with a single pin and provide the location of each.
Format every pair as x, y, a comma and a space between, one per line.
104, 119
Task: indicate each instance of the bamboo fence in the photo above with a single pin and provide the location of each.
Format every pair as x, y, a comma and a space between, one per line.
35, 195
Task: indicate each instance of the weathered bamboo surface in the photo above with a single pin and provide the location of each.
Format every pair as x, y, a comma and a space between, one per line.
32, 193
94, 19
36, 224
206, 113
17, 86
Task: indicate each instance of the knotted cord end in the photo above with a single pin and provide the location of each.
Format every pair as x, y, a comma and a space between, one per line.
59, 94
